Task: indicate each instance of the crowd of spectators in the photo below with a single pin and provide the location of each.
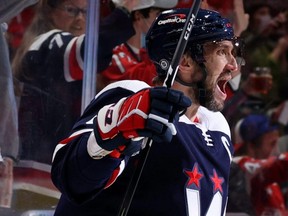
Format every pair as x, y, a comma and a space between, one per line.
257, 93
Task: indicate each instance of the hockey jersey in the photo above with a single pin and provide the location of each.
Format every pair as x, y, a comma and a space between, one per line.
126, 64
263, 181
188, 176
52, 87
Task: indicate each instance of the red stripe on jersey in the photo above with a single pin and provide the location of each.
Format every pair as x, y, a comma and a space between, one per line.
116, 153
76, 72
65, 141
112, 178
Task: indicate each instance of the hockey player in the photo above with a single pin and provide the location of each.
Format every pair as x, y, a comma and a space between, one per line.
187, 170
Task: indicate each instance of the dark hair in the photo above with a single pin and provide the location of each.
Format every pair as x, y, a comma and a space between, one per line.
254, 7
145, 12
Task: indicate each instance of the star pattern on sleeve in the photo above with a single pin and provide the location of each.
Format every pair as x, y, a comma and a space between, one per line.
194, 176
217, 181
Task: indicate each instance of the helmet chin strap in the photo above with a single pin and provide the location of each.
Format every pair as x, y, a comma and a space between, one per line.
200, 85
182, 82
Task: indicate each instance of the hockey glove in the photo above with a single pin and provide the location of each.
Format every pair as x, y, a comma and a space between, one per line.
148, 113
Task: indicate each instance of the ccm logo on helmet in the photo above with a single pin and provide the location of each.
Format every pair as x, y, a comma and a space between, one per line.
175, 18
189, 27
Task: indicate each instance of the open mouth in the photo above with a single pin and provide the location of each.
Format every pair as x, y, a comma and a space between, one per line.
222, 85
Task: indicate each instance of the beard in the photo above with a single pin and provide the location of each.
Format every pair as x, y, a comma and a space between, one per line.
211, 103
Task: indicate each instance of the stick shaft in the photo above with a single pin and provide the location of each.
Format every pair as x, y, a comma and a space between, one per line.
182, 43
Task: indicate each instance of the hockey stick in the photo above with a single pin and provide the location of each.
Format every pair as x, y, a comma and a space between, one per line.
182, 43
172, 72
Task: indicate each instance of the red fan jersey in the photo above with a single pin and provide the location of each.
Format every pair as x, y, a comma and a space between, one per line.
263, 178
127, 64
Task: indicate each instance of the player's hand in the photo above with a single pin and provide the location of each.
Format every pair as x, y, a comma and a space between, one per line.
241, 19
148, 113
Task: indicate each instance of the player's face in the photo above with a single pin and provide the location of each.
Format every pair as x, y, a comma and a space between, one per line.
220, 64
70, 16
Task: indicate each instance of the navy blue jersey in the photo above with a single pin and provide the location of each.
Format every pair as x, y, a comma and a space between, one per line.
51, 74
188, 176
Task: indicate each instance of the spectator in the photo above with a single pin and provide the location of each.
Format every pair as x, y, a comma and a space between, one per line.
130, 59
18, 25
48, 68
266, 44
183, 174
279, 114
258, 170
